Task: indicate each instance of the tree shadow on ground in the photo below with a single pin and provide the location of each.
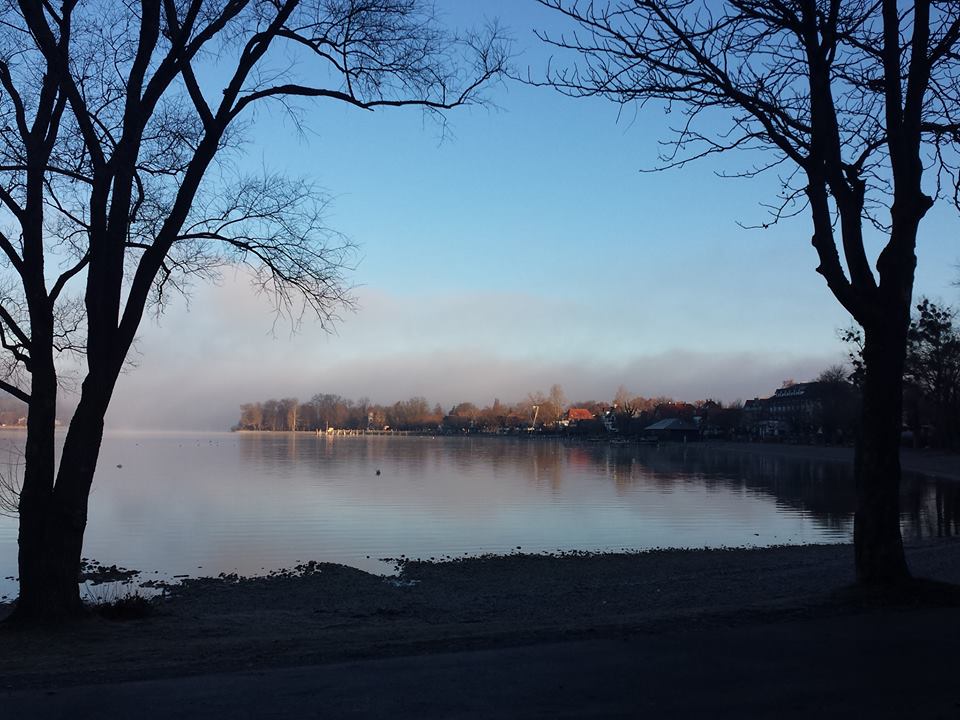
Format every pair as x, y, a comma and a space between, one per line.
914, 593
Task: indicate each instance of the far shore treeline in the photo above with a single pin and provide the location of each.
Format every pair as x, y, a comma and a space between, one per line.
827, 405
824, 410
627, 414
328, 411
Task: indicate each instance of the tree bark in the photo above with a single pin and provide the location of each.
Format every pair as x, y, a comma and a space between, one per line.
52, 524
48, 578
878, 544
50, 542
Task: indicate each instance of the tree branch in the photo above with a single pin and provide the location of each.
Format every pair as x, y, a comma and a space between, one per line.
66, 275
14, 327
19, 394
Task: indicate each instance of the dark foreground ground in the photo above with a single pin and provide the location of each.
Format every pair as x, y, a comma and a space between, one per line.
877, 665
735, 633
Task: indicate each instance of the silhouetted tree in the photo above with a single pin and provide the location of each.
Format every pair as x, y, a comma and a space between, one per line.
933, 366
853, 337
838, 404
833, 374
847, 101
931, 372
113, 177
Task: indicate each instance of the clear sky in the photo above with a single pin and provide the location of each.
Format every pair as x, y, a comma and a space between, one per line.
524, 249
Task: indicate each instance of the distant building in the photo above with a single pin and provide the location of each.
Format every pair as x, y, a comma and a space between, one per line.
574, 415
798, 407
673, 429
803, 410
681, 410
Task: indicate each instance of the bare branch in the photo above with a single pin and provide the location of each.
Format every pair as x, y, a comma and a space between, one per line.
65, 277
14, 391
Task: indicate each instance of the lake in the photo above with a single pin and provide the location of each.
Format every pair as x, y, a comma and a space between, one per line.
200, 504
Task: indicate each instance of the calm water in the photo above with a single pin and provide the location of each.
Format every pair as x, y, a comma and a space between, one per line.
204, 504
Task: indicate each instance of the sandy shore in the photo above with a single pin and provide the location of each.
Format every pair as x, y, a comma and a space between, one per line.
327, 613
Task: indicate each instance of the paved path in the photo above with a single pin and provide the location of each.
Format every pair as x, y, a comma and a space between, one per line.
889, 665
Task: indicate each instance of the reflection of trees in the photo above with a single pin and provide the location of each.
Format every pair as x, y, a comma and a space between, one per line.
824, 490
821, 489
947, 503
930, 508
542, 463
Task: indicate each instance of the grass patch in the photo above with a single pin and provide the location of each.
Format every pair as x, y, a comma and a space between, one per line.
118, 602
129, 607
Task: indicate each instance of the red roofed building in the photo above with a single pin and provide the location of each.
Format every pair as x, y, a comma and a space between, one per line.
577, 414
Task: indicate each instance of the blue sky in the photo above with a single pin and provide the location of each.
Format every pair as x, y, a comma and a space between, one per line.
523, 249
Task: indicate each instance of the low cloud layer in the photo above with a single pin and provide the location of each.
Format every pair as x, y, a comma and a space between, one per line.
196, 367
180, 397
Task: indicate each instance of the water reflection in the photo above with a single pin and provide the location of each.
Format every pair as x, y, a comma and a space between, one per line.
819, 489
249, 501
930, 509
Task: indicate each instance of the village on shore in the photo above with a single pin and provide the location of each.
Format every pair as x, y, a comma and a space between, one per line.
821, 411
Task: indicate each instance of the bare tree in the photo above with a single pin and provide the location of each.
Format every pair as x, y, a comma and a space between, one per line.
847, 102
251, 416
115, 154
625, 402
833, 375
556, 400
288, 411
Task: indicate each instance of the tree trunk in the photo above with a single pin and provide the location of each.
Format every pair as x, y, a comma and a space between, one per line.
50, 542
48, 582
52, 525
878, 545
